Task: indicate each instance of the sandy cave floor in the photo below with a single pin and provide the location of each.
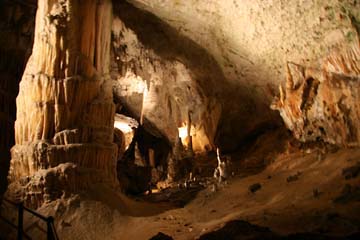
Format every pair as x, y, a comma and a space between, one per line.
305, 204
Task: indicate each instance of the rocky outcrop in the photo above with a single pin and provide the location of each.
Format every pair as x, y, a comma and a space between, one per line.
65, 111
323, 104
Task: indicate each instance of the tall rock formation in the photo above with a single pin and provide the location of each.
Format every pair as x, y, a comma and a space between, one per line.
65, 111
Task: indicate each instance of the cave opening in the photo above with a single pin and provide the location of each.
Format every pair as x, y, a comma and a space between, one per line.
143, 154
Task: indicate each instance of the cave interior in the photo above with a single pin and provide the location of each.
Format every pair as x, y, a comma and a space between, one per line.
152, 119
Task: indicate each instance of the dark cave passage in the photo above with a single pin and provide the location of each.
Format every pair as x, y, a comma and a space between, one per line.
17, 22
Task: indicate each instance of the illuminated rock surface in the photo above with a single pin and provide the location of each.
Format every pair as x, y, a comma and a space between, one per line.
251, 41
164, 85
65, 112
323, 104
122, 104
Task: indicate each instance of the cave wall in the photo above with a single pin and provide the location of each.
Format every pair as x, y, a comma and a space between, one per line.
65, 111
252, 40
324, 104
155, 78
220, 60
17, 21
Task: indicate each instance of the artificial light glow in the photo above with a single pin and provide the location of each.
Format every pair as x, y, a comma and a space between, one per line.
141, 86
125, 124
183, 132
123, 127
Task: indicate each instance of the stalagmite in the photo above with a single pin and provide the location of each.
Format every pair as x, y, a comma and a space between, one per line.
65, 113
221, 171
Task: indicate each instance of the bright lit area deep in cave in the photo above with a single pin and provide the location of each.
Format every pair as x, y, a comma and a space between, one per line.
179, 119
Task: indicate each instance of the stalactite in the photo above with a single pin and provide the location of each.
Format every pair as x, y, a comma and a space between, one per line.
161, 91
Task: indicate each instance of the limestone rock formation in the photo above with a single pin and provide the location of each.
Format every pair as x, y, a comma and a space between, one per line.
65, 112
201, 68
162, 91
251, 40
324, 104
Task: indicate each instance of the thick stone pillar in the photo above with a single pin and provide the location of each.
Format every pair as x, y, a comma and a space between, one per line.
65, 111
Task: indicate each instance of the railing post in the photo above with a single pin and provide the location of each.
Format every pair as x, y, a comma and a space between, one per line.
50, 234
20, 221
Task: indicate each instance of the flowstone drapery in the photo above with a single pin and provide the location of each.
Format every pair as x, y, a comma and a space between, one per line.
323, 104
65, 112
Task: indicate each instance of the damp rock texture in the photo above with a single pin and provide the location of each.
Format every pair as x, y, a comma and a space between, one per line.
324, 104
65, 112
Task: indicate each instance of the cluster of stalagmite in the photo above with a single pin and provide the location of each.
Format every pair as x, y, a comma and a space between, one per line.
65, 111
324, 104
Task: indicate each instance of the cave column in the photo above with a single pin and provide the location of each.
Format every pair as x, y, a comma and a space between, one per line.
65, 111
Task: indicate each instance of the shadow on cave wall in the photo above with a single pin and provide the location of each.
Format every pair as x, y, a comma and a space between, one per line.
17, 21
242, 112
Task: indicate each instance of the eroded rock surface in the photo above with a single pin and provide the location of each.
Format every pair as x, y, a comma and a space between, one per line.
163, 86
65, 112
323, 104
251, 40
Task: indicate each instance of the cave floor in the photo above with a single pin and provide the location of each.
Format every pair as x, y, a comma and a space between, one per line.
300, 192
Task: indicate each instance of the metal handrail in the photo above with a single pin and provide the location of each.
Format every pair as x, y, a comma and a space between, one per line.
51, 231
